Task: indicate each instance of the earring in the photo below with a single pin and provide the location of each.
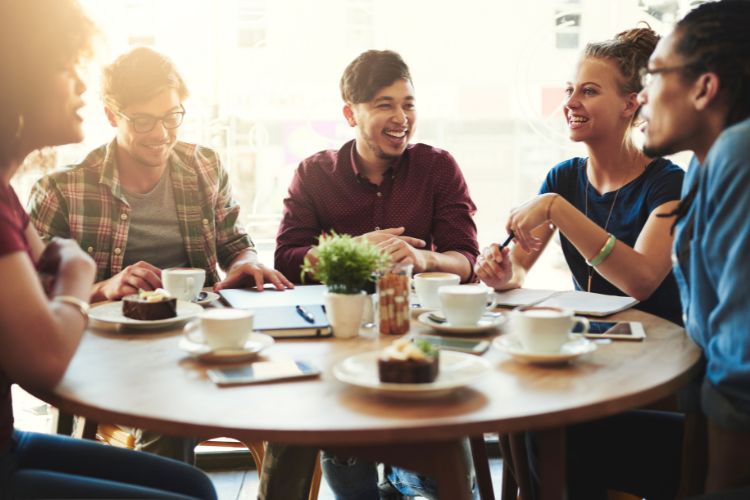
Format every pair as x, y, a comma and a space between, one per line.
19, 128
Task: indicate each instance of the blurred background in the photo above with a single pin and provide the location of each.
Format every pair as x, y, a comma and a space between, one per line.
263, 74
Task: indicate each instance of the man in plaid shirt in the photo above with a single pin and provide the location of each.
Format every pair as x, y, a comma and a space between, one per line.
146, 201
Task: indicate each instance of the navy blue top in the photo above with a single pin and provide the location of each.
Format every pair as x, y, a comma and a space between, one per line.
659, 183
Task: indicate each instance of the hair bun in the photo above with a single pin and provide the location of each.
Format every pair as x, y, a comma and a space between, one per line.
643, 36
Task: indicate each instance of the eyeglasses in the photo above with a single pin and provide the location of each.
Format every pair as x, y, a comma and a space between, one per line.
144, 123
647, 75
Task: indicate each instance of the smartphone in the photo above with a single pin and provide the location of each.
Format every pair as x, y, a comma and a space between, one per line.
262, 371
620, 330
460, 345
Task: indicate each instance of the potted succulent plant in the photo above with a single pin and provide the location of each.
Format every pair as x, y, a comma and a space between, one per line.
344, 264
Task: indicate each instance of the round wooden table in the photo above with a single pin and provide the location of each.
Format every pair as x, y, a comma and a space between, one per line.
144, 380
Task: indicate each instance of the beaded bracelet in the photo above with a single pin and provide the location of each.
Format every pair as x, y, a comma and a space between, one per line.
604, 252
81, 306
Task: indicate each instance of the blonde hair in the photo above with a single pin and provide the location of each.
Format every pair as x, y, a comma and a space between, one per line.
139, 75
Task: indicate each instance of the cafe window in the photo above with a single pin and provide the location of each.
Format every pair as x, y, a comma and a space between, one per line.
264, 76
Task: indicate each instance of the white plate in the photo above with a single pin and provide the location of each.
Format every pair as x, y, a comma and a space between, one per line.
256, 342
111, 312
510, 344
485, 323
210, 297
457, 370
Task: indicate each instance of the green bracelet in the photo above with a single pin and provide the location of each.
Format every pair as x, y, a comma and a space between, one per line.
604, 252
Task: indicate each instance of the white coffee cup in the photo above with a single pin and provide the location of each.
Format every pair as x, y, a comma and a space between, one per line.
223, 328
545, 329
463, 305
184, 283
427, 284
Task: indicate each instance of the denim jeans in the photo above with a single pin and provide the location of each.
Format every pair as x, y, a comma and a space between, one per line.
51, 466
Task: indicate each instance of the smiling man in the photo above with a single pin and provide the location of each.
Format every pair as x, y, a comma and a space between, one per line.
410, 200
147, 201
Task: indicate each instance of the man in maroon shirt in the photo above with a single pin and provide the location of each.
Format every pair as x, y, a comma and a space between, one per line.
411, 200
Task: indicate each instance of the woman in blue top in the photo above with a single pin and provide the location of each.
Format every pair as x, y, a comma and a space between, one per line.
697, 98
605, 205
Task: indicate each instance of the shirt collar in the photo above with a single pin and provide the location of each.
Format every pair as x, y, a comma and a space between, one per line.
395, 164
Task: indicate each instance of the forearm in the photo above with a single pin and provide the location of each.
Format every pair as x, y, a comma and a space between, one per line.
635, 273
449, 262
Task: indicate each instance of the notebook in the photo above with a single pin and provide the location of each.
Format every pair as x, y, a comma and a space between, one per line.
587, 303
275, 312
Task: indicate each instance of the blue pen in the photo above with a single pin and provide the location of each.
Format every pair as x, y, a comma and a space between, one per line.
507, 240
305, 314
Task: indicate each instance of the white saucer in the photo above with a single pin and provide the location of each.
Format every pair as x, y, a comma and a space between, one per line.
255, 343
457, 370
111, 313
210, 297
510, 344
485, 323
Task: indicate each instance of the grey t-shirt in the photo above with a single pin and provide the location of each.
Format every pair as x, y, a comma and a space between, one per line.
154, 235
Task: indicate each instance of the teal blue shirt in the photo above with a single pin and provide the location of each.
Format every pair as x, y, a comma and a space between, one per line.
712, 262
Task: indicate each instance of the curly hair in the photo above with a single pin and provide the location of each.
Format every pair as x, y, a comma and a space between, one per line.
371, 71
37, 39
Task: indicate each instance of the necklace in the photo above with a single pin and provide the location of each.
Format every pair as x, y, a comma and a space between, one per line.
606, 223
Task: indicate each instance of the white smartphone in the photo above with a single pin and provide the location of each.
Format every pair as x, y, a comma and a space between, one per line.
460, 345
262, 371
619, 330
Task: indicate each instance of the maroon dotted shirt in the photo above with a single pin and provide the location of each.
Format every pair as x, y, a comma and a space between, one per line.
424, 191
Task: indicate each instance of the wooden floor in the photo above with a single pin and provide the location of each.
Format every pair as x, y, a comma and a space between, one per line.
243, 484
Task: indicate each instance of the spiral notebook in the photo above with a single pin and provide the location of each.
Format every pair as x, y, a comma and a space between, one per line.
276, 314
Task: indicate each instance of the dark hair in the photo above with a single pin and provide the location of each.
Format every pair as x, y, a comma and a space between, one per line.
137, 76
370, 72
715, 37
37, 39
630, 51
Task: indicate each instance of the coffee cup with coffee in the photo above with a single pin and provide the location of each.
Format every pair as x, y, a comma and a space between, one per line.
184, 283
223, 328
545, 330
464, 305
427, 284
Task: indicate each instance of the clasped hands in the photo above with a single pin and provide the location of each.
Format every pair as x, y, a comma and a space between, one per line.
402, 249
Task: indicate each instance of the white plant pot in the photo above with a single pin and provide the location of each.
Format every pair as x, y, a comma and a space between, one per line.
344, 312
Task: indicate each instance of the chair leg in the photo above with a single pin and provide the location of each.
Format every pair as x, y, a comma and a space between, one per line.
521, 464
317, 476
482, 467
64, 423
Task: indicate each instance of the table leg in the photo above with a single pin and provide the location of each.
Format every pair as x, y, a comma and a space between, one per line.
552, 472
444, 461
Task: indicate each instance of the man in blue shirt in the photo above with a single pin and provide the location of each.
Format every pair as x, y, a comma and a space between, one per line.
697, 97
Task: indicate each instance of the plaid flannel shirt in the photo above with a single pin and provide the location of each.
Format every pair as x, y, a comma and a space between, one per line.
85, 202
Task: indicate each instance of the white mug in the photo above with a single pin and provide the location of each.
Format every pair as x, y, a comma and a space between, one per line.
463, 305
223, 328
184, 283
545, 329
427, 284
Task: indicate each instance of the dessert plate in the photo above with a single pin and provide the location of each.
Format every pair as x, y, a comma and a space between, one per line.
255, 343
111, 313
457, 370
486, 322
510, 344
209, 297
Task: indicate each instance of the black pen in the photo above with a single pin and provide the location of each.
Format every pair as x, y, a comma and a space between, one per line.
305, 314
507, 240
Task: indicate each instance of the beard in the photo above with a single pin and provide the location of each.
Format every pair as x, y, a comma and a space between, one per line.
653, 151
377, 150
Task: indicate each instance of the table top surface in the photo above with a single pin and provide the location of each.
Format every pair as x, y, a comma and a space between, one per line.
143, 379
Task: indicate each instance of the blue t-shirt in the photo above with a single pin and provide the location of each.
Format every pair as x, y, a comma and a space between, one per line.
659, 183
712, 247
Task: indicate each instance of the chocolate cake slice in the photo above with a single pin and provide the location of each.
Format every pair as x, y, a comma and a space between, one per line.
148, 306
409, 362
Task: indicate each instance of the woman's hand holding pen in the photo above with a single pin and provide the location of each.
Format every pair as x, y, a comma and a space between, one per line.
527, 217
493, 265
